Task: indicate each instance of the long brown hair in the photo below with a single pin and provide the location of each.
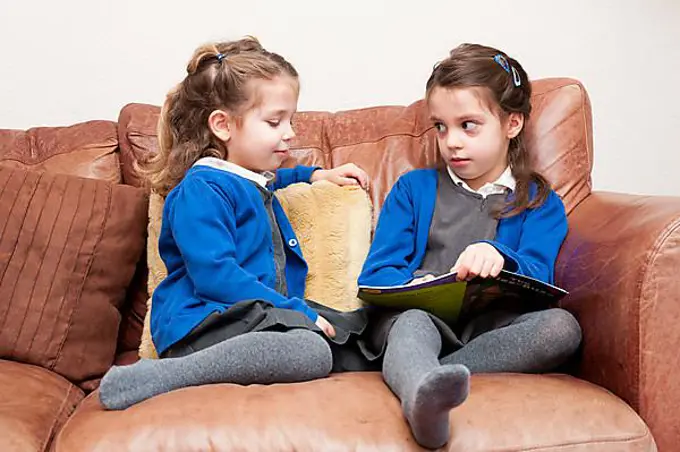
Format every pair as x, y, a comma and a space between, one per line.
473, 65
217, 79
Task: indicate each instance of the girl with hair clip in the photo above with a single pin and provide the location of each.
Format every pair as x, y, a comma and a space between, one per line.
231, 309
482, 211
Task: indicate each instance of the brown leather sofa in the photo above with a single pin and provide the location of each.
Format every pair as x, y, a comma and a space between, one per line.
72, 302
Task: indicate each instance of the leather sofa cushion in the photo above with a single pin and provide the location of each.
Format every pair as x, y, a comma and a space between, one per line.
87, 149
356, 411
34, 404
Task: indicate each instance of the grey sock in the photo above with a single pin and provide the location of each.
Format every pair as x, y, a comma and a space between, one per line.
535, 342
427, 390
252, 358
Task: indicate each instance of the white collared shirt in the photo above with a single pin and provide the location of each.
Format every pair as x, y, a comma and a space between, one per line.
213, 162
505, 181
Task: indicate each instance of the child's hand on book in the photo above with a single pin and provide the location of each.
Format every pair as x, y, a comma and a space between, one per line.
479, 259
325, 326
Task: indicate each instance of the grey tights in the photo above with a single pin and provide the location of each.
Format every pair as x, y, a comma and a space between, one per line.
251, 358
429, 387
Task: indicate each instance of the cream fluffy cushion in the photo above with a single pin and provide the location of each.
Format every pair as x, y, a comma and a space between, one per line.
333, 225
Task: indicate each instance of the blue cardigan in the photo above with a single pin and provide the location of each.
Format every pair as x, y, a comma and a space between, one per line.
216, 243
529, 242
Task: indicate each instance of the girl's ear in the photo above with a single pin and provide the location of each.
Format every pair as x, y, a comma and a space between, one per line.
220, 124
515, 124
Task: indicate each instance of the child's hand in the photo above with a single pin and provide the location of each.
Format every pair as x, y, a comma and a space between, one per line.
347, 174
325, 326
421, 280
480, 259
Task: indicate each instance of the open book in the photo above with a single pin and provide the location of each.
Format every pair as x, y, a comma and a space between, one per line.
457, 301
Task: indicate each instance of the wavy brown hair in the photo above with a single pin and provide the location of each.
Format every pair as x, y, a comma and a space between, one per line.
218, 78
473, 65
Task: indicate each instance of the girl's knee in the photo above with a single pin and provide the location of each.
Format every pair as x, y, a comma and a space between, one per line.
412, 319
323, 355
315, 346
414, 315
409, 321
562, 329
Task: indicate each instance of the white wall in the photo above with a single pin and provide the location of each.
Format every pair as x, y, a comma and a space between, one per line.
66, 61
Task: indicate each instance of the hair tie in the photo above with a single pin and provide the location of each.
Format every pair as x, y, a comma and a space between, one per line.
220, 57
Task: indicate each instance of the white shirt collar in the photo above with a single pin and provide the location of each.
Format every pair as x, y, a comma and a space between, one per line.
505, 181
214, 162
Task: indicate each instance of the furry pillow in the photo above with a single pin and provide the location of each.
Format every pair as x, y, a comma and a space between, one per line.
333, 225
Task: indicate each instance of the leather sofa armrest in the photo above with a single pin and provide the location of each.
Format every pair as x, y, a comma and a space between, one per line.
621, 264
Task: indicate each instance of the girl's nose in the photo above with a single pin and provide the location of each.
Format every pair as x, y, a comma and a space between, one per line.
453, 141
289, 134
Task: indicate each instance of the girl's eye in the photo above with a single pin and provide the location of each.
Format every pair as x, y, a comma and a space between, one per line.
274, 123
469, 126
440, 127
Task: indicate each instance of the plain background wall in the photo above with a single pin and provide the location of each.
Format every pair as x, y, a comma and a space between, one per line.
73, 60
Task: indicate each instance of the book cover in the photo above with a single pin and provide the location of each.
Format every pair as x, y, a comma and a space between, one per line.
457, 301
